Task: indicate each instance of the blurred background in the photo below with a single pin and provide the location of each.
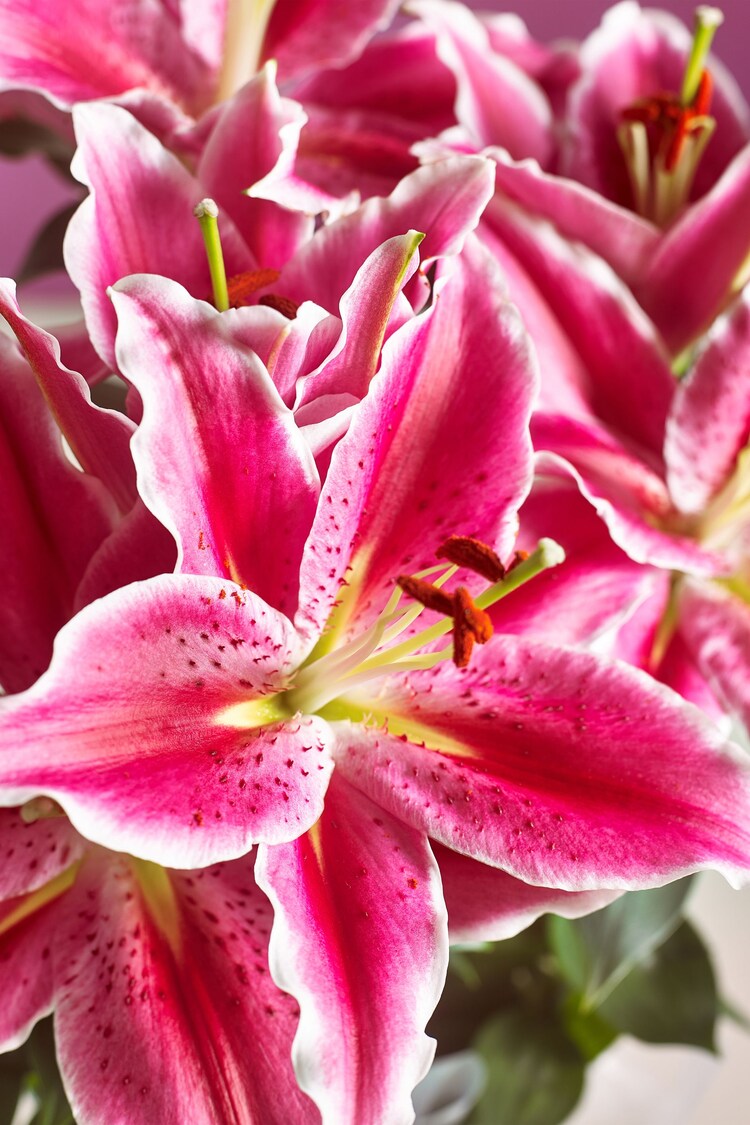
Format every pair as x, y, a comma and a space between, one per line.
676, 1086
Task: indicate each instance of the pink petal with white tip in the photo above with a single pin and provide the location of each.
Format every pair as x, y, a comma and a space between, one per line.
622, 238
370, 310
486, 904
138, 217
360, 939
212, 411
629, 496
256, 131
431, 451
563, 769
443, 200
628, 382
137, 730
710, 420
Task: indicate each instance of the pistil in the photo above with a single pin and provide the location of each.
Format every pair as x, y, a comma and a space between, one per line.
663, 137
207, 214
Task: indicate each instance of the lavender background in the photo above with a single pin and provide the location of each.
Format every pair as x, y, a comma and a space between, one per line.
31, 192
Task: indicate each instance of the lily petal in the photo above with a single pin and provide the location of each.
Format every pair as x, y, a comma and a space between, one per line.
46, 553
710, 420
423, 441
34, 853
138, 217
563, 769
486, 904
161, 668
100, 439
488, 84
360, 939
715, 625
212, 412
187, 1024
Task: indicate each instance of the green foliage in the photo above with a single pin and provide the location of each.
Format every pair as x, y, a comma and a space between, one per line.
541, 1006
535, 1072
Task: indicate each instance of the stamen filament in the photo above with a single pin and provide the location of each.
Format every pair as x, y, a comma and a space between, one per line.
707, 20
207, 214
547, 554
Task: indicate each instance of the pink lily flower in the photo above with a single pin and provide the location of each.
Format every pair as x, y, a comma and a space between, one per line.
83, 929
658, 245
206, 697
682, 512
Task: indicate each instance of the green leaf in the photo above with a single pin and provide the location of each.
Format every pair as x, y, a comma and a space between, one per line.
670, 997
597, 952
733, 1013
535, 1075
590, 1032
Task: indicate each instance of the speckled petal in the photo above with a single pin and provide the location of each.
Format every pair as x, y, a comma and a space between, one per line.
26, 966
129, 729
165, 1010
360, 939
432, 450
31, 854
562, 768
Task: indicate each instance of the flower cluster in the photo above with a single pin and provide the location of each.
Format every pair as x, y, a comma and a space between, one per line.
405, 595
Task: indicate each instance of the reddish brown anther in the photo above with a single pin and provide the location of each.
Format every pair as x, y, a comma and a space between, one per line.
464, 551
470, 623
285, 305
431, 597
243, 285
